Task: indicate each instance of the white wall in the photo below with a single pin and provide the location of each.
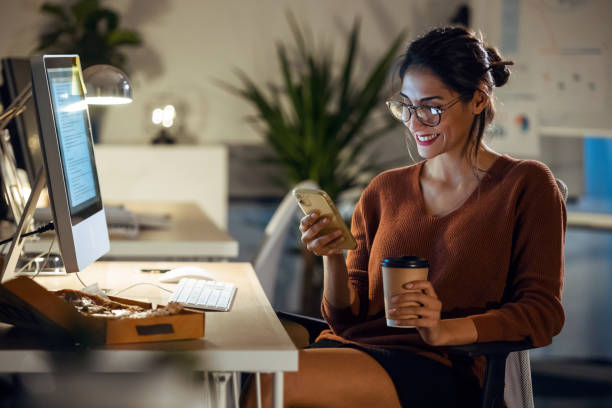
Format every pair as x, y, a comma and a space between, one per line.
191, 43
563, 62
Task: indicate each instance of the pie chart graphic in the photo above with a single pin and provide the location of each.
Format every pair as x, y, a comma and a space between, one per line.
522, 122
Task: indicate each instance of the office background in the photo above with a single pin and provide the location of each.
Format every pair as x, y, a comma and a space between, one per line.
189, 45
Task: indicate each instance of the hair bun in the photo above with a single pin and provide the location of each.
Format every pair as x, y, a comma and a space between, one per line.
499, 69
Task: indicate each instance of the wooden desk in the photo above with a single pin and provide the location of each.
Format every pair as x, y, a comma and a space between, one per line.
248, 338
192, 236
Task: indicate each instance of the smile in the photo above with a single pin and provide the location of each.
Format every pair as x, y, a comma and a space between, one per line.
426, 139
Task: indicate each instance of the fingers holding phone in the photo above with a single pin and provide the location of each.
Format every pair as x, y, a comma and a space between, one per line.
324, 232
311, 226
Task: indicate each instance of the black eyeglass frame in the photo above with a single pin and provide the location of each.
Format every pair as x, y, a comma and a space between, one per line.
412, 108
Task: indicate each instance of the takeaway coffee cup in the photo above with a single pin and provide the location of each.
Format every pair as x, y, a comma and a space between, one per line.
396, 274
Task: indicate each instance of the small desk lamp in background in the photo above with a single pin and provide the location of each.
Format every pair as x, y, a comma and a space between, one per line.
105, 85
164, 118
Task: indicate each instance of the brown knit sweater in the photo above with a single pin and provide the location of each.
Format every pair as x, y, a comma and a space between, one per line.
498, 258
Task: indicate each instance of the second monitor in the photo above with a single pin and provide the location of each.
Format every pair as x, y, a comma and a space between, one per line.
16, 76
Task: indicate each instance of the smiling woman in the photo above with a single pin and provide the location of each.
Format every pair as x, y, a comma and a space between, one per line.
490, 226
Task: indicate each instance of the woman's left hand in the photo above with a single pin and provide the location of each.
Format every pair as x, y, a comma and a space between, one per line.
427, 308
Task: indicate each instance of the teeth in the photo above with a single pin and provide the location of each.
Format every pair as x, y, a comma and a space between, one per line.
426, 138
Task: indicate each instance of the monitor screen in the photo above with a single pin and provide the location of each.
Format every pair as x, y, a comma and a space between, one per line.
75, 140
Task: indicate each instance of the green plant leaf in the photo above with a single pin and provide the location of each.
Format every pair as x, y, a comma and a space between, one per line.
83, 8
297, 34
93, 19
86, 29
120, 37
348, 62
368, 97
287, 78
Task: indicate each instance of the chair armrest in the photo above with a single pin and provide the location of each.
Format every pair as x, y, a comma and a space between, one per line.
492, 395
496, 353
487, 349
312, 324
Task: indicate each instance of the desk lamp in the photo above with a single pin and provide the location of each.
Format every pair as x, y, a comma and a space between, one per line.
105, 85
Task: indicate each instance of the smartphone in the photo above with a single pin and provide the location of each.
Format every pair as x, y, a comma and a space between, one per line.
310, 200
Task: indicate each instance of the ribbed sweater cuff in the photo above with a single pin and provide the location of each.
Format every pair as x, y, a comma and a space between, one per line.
335, 315
489, 327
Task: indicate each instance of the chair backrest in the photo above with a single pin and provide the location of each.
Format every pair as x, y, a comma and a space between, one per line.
518, 391
266, 260
563, 188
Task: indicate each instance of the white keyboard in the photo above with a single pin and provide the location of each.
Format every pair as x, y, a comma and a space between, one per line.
204, 294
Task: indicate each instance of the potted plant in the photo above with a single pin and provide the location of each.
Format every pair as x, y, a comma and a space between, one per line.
91, 31
318, 122
87, 29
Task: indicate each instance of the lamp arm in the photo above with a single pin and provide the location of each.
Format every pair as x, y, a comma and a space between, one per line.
16, 107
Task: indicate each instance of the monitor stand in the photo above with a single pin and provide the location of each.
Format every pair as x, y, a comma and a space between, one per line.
35, 264
14, 253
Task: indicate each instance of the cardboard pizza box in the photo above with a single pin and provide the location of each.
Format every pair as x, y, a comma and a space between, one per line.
25, 303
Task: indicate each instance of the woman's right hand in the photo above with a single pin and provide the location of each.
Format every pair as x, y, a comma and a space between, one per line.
310, 226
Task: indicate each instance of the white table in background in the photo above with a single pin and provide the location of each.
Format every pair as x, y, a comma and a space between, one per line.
595, 221
192, 236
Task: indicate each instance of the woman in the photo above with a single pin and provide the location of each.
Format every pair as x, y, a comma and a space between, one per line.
492, 228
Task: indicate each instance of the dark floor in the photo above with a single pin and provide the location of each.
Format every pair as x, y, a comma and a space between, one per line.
575, 371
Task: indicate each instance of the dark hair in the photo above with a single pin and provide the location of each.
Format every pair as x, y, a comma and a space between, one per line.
464, 64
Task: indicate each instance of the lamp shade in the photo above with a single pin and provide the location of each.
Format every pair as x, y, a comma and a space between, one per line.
107, 85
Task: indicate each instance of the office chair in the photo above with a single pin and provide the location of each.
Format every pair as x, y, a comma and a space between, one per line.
267, 257
508, 370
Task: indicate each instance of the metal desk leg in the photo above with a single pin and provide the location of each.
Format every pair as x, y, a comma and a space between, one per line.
278, 389
235, 388
258, 389
220, 380
207, 390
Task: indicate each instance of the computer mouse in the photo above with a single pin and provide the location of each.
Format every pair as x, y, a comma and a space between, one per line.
176, 274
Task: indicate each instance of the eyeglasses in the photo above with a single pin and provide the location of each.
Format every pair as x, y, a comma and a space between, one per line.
427, 115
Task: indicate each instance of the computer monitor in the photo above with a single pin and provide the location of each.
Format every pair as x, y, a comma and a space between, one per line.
68, 157
25, 140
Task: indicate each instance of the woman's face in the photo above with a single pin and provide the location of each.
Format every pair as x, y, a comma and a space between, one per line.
421, 87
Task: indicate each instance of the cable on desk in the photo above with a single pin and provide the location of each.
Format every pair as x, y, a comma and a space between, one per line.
79, 278
140, 283
48, 227
36, 257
